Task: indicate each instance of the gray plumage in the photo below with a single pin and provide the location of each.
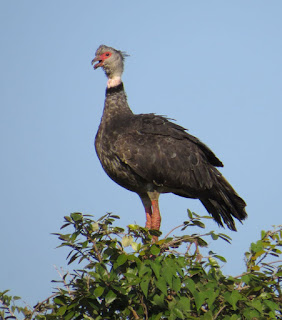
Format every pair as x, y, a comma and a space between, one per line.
148, 154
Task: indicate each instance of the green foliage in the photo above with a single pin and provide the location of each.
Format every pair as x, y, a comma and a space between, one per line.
127, 275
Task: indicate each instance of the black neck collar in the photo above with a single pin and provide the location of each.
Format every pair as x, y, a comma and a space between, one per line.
115, 89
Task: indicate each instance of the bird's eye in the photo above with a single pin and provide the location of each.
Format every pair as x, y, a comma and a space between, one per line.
107, 54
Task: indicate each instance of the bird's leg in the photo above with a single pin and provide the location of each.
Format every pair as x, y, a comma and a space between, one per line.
151, 205
156, 216
148, 211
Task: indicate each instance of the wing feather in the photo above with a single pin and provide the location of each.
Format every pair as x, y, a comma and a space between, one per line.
162, 152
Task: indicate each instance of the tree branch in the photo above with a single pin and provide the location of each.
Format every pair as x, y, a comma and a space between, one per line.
8, 308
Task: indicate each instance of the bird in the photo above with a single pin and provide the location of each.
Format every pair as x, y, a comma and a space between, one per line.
150, 154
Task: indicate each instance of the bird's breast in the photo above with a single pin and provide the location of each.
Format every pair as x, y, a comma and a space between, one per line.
115, 168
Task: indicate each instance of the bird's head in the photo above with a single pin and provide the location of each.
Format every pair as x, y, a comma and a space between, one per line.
111, 60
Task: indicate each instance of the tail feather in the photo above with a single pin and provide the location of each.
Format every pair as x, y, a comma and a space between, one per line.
223, 203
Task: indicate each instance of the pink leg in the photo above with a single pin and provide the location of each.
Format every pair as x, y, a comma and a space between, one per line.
156, 216
148, 212
151, 205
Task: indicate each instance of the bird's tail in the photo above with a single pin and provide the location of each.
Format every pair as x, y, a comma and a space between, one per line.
225, 204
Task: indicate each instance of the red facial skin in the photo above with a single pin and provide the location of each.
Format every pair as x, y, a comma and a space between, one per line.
101, 59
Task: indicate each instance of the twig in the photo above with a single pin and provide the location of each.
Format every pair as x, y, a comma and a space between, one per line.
189, 247
97, 253
272, 262
245, 273
217, 314
39, 304
144, 307
135, 315
173, 230
95, 248
242, 274
64, 281
180, 239
264, 256
8, 308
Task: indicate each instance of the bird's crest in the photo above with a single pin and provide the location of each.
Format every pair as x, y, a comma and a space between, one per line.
104, 48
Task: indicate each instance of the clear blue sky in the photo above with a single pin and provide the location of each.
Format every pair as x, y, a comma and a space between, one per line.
214, 66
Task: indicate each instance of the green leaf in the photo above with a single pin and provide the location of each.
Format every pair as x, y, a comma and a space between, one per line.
178, 313
73, 258
110, 297
86, 317
64, 237
199, 299
212, 295
61, 311
184, 304
136, 246
190, 215
144, 270
214, 236
225, 237
199, 224
144, 284
85, 244
202, 242
196, 215
158, 316
99, 291
155, 250
271, 305
156, 267
258, 246
121, 260
167, 275
220, 258
255, 268
69, 315
154, 232
232, 298
256, 304
58, 301
176, 284
190, 285
65, 225
159, 300
207, 316
161, 285
76, 216
126, 241
251, 314
115, 216
133, 226
95, 226
245, 278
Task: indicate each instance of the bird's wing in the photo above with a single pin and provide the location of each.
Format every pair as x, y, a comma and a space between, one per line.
154, 124
163, 153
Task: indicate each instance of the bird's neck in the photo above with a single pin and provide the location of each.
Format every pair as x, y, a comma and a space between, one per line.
114, 81
116, 102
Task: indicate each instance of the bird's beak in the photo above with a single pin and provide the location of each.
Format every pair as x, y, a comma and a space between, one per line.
99, 64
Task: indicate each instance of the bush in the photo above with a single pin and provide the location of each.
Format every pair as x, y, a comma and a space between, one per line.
126, 275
